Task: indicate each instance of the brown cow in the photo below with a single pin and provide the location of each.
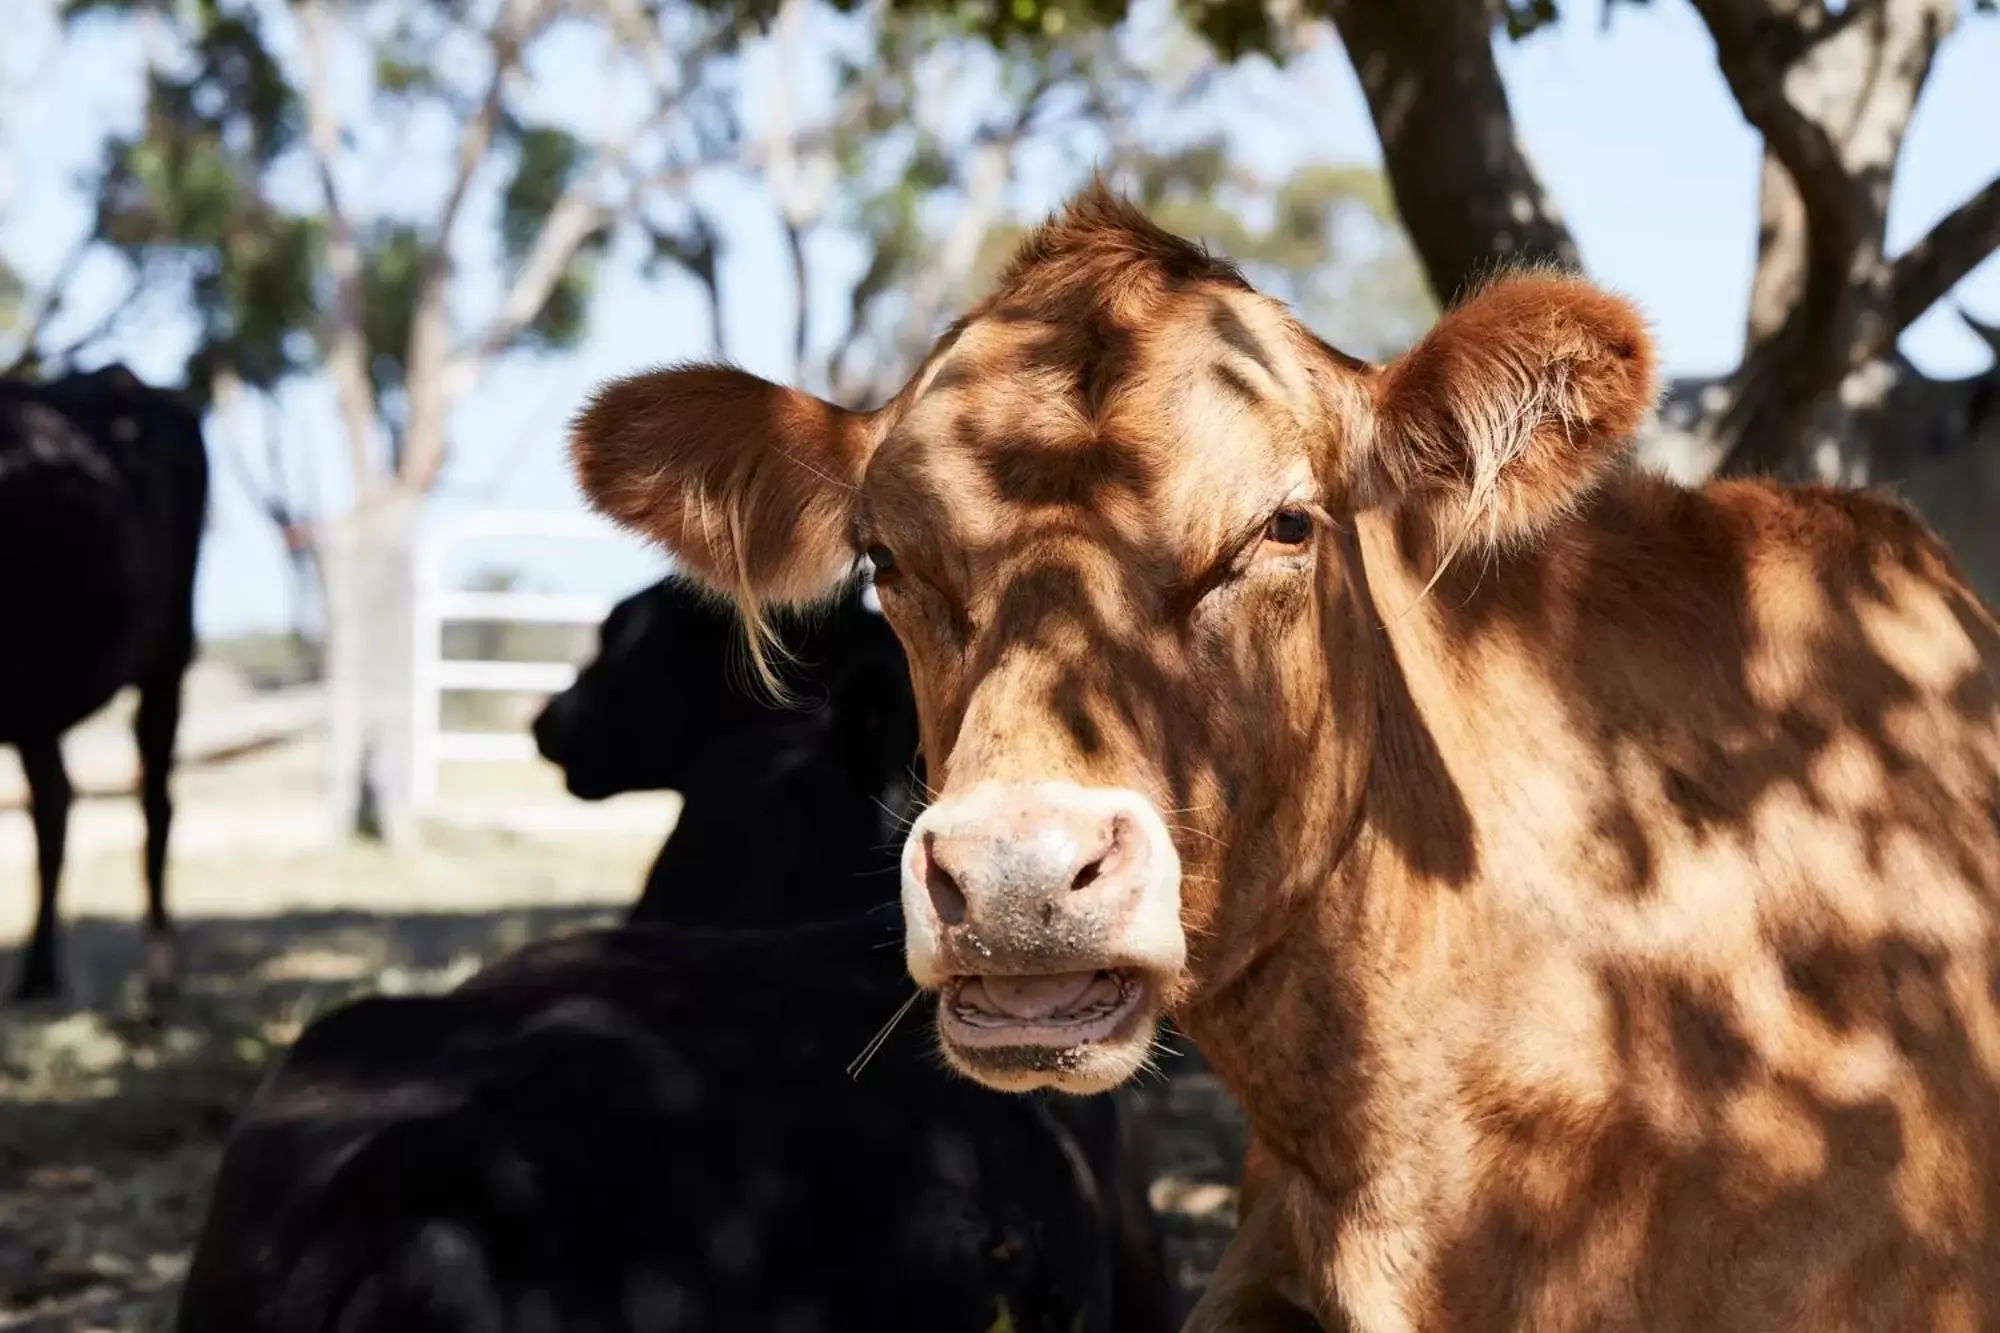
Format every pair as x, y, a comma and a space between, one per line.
1586, 884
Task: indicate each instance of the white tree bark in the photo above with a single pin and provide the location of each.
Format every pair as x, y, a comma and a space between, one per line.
369, 554
370, 564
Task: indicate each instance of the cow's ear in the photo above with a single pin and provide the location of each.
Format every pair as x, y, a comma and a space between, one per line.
750, 485
1512, 408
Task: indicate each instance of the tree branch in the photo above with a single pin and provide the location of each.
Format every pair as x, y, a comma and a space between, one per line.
51, 304
1959, 243
784, 173
101, 329
1754, 48
1833, 95
576, 217
937, 286
425, 360
347, 354
1778, 282
580, 212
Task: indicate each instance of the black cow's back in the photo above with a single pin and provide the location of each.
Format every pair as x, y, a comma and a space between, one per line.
78, 586
103, 491
653, 1129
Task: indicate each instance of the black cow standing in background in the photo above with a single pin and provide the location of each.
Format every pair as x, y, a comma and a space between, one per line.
655, 1128
103, 496
667, 704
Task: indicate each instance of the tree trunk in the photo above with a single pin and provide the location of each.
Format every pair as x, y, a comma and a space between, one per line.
1832, 94
370, 556
1463, 185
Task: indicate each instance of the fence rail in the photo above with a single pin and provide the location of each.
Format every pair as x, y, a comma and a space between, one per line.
437, 605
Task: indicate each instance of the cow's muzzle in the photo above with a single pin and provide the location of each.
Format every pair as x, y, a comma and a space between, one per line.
1047, 915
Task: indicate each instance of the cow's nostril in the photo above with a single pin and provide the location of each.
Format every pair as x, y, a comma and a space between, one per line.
947, 899
1088, 875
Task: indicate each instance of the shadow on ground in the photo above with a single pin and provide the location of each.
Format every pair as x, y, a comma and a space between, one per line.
111, 1125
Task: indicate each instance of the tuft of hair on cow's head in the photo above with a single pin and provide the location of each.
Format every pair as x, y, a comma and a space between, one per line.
1112, 519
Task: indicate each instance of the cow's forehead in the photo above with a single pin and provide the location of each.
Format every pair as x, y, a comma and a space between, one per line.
1167, 435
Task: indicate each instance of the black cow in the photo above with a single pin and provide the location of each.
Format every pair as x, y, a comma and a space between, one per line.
653, 1129
103, 495
798, 805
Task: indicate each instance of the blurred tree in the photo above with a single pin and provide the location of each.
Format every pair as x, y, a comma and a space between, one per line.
254, 189
253, 194
13, 292
930, 124
929, 187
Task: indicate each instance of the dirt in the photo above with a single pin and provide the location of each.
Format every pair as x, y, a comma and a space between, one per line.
111, 1127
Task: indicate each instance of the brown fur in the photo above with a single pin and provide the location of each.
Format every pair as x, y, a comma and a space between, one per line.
1589, 882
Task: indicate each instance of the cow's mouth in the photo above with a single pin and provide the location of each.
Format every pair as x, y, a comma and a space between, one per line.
1058, 1010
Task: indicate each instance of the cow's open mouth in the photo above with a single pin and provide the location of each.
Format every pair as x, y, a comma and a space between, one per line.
1060, 1009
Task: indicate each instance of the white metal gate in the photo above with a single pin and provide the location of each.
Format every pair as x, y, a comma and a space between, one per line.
436, 605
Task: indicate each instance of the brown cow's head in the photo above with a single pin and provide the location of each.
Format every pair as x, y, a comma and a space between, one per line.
1109, 520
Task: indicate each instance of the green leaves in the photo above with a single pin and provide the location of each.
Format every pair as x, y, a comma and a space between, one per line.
183, 199
202, 198
400, 76
393, 255
1234, 28
564, 317
1022, 26
13, 292
1522, 18
546, 161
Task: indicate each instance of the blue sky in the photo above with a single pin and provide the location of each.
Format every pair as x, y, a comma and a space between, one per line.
1631, 127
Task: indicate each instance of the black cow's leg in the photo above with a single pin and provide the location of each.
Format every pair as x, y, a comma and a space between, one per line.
154, 729
49, 797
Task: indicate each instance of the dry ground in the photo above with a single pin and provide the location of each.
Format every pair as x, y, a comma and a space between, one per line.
110, 1129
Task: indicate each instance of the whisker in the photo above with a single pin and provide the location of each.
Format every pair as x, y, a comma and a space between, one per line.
922, 783
896, 817
875, 1043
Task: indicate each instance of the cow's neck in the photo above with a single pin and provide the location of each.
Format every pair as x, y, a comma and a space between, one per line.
1299, 1029
1279, 1017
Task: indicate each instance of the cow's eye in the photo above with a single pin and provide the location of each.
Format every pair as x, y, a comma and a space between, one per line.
1289, 527
881, 559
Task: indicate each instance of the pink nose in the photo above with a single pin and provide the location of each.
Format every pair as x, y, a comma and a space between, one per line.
1030, 855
